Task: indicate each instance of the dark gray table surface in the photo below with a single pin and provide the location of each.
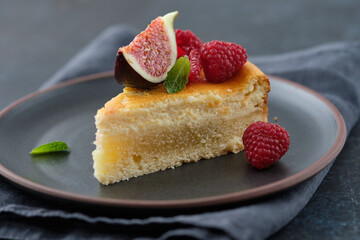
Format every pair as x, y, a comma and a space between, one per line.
38, 37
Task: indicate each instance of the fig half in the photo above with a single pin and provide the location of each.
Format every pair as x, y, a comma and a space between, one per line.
146, 61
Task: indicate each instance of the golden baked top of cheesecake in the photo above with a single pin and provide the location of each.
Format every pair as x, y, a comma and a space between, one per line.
134, 97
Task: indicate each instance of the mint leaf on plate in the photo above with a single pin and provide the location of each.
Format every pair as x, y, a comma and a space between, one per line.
177, 77
50, 147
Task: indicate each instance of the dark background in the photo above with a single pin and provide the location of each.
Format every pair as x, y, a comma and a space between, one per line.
38, 37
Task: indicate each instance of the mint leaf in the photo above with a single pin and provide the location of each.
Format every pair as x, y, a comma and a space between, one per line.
177, 77
50, 147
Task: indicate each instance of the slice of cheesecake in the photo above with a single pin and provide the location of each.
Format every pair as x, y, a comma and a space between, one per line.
144, 131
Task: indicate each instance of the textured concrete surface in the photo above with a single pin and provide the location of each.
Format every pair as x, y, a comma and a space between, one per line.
38, 37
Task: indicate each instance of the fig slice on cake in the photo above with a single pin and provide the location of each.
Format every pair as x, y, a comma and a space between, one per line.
146, 61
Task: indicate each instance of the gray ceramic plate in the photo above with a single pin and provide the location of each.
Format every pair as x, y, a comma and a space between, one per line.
66, 113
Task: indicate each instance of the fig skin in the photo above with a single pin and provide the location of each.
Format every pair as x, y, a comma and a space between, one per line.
126, 76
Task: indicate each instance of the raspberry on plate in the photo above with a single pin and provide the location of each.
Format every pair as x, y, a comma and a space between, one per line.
221, 60
187, 40
195, 65
265, 143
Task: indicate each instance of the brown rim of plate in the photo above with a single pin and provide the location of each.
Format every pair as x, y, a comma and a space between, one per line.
187, 203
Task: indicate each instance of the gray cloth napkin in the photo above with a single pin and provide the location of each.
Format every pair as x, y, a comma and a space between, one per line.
331, 69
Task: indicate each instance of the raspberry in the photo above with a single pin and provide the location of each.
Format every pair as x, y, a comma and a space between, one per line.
180, 52
221, 60
265, 143
187, 40
195, 65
